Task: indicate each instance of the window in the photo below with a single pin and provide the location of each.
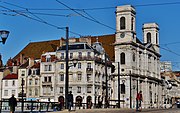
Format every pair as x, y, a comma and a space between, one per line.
30, 81
61, 89
6, 83
88, 65
47, 68
45, 79
89, 89
132, 23
88, 77
80, 54
22, 73
48, 58
123, 88
36, 81
79, 65
36, 91
34, 72
62, 55
79, 77
13, 92
62, 66
88, 54
13, 83
49, 79
71, 55
50, 68
30, 92
134, 57
122, 58
156, 38
5, 92
61, 77
148, 37
79, 89
122, 23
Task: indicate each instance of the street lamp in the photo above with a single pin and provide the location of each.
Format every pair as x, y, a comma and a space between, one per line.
67, 67
4, 34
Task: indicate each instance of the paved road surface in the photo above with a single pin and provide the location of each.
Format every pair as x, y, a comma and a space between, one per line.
174, 110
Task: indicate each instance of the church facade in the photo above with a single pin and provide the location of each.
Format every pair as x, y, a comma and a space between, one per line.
139, 61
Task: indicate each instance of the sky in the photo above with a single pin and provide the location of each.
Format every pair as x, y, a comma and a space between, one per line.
42, 20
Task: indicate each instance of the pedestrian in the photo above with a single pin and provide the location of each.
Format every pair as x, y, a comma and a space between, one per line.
139, 100
70, 100
12, 103
89, 104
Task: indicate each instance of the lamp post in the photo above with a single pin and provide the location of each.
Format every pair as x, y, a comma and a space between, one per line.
119, 86
22, 94
67, 68
4, 34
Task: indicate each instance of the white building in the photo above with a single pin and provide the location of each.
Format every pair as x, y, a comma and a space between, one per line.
33, 82
9, 86
139, 61
86, 80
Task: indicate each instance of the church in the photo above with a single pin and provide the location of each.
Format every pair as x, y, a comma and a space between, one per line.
139, 68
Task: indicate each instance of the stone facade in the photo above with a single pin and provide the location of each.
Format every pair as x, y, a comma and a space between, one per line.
139, 61
86, 79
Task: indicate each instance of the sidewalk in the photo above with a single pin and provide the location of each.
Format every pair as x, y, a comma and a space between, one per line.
109, 110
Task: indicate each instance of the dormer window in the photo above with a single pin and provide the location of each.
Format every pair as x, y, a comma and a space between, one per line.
62, 55
48, 58
88, 54
80, 54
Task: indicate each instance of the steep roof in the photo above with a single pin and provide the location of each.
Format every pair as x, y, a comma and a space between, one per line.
36, 65
11, 76
35, 49
107, 43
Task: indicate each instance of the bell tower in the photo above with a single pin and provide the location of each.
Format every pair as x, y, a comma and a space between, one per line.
151, 34
125, 23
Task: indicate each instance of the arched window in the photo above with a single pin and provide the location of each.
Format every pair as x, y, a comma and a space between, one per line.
122, 23
123, 90
148, 37
122, 58
132, 23
134, 57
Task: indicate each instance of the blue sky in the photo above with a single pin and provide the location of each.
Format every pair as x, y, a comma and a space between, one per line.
24, 30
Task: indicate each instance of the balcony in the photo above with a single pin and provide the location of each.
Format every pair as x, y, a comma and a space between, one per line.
46, 83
